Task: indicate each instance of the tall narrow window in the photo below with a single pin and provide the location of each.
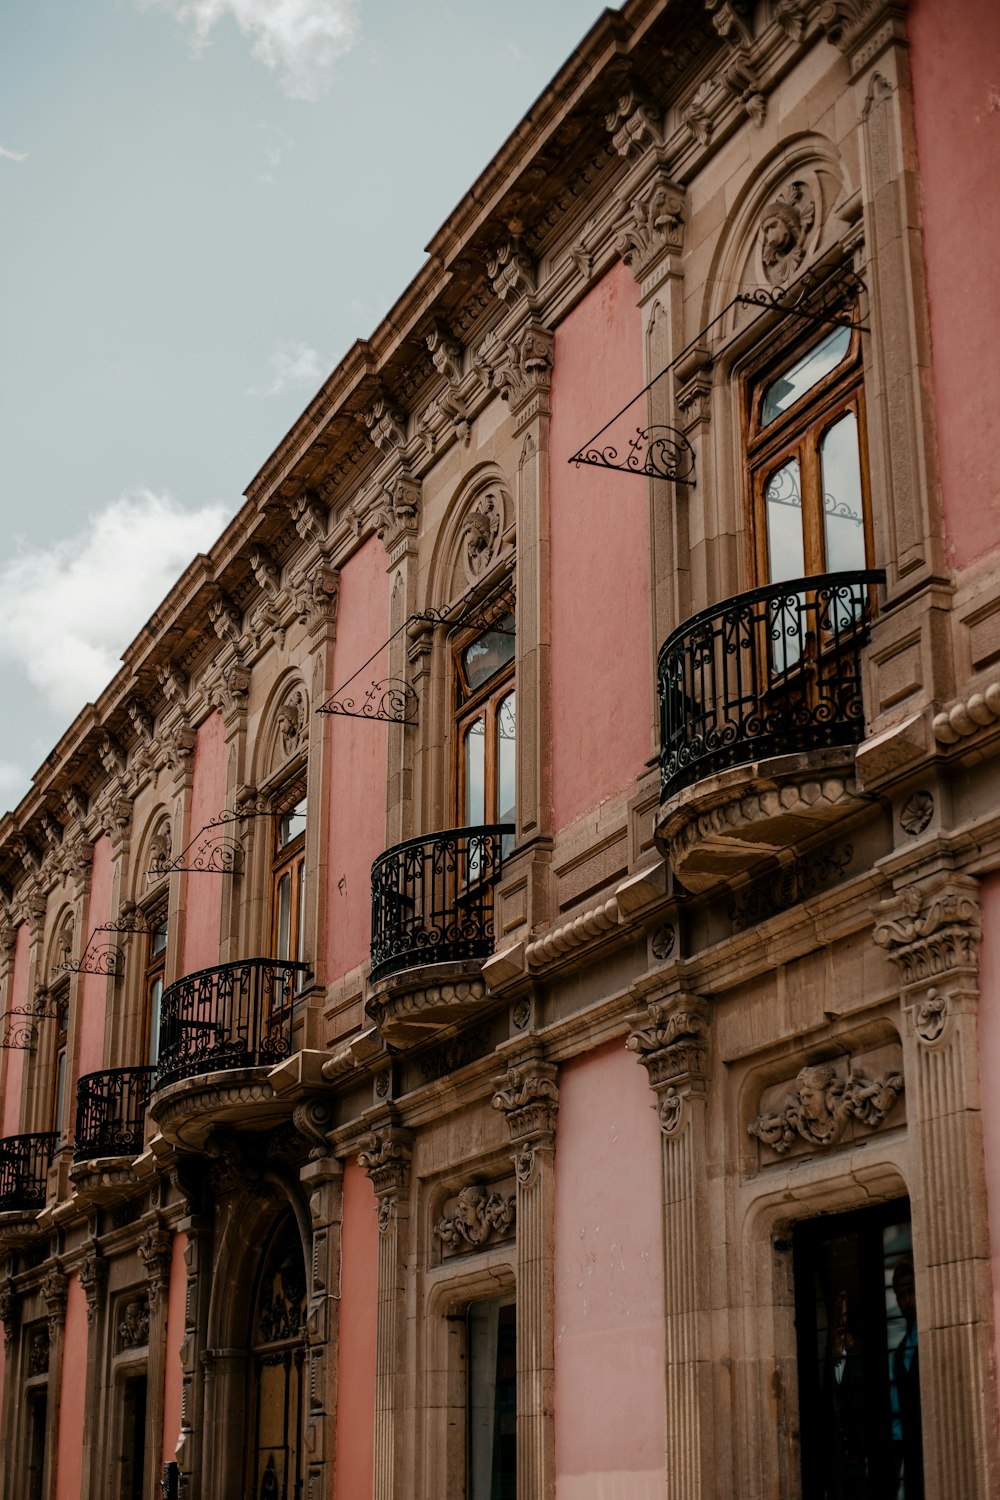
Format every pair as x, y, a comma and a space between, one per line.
277, 1343
492, 1404
856, 1326
156, 960
807, 463
289, 884
486, 728
60, 1005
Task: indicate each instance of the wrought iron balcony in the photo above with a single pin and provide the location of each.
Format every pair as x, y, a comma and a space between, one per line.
233, 1016
24, 1165
770, 672
432, 898
111, 1112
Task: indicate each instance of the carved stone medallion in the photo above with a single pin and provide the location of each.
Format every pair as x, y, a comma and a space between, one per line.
784, 231
478, 1217
822, 1105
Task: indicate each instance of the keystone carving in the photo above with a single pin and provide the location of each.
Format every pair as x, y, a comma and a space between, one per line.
479, 1216
929, 932
823, 1104
784, 229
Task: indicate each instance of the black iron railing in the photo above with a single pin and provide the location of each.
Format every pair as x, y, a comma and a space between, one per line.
432, 898
233, 1016
24, 1166
771, 672
111, 1112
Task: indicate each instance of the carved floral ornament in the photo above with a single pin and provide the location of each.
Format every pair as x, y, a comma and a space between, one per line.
480, 1216
929, 932
823, 1104
387, 1162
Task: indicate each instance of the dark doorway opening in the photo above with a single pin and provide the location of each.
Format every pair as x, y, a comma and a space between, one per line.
133, 1454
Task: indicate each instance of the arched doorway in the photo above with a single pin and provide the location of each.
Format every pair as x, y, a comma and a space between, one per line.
276, 1369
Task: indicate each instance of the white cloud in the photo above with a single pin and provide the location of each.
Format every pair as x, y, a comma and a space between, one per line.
13, 155
293, 366
301, 38
68, 610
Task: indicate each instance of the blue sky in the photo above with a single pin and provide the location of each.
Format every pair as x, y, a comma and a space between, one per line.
204, 203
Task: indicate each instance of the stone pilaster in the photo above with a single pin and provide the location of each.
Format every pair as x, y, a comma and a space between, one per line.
154, 1252
322, 1179
93, 1274
387, 1162
10, 1315
54, 1293
528, 1095
931, 932
190, 1444
670, 1039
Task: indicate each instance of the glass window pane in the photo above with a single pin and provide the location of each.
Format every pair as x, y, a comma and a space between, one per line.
283, 915
60, 1087
300, 924
492, 1415
489, 652
804, 374
843, 515
155, 996
292, 823
507, 766
783, 499
158, 936
475, 774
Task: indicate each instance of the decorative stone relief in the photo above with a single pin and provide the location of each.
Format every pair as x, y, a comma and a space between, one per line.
917, 811
173, 683
225, 618
229, 691
699, 115
528, 1094
10, 1307
479, 1217
785, 227
54, 1290
293, 722
633, 124
111, 754
133, 1324
522, 367
265, 572
823, 1104
738, 73
931, 1017
483, 532
316, 592
313, 1119
401, 511
38, 1351
386, 425
510, 268
670, 1039
309, 516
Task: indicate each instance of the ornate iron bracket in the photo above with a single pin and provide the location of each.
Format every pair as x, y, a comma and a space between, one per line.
102, 957
662, 452
391, 700
213, 850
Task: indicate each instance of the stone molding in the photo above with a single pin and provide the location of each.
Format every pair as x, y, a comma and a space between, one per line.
54, 1292
387, 1162
480, 1217
407, 1015
155, 1253
670, 1039
528, 1095
93, 1274
931, 931
968, 716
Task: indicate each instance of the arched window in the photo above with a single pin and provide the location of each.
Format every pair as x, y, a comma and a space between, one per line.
288, 879
277, 1360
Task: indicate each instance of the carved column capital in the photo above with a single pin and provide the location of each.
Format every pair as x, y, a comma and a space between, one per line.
528, 1095
387, 1162
932, 931
54, 1292
651, 224
634, 124
93, 1274
10, 1311
523, 371
510, 268
670, 1039
155, 1252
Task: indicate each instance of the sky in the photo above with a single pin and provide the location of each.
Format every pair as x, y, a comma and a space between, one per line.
203, 203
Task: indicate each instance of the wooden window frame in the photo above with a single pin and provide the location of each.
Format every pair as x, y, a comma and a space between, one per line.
154, 969
60, 1059
797, 433
470, 704
289, 859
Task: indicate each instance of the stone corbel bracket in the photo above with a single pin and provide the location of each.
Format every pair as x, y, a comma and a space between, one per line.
967, 717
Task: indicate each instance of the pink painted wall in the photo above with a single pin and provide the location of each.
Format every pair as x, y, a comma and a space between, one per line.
17, 995
601, 667
989, 1063
93, 990
202, 897
955, 58
174, 1372
610, 1384
72, 1394
357, 759
355, 1436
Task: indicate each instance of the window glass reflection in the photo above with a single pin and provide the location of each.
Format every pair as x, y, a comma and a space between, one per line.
783, 497
804, 374
507, 767
488, 653
475, 773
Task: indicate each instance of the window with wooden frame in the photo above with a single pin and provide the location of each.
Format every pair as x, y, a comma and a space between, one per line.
807, 465
155, 969
59, 1001
288, 879
486, 728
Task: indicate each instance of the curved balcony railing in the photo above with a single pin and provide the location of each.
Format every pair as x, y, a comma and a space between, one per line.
432, 898
233, 1016
770, 672
111, 1112
24, 1166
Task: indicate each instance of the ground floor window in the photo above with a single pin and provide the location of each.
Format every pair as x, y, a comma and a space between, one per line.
856, 1327
492, 1406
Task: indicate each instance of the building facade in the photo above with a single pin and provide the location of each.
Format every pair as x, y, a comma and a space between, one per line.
500, 993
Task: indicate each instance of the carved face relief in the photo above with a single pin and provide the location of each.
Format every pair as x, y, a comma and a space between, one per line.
784, 229
483, 531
